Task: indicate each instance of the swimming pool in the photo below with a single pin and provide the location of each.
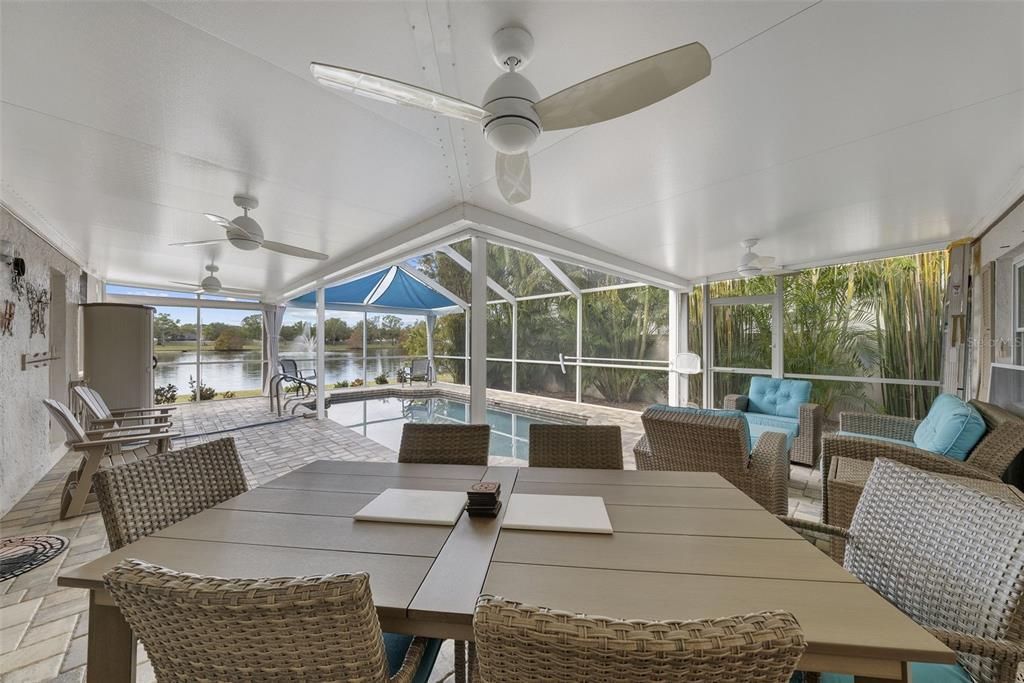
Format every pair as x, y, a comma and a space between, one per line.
381, 419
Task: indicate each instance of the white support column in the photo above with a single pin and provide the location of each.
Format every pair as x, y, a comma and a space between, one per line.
321, 381
515, 347
431, 319
677, 382
579, 349
684, 344
199, 352
777, 313
466, 342
364, 348
478, 334
707, 332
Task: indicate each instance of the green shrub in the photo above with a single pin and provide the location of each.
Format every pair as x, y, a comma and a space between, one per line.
382, 378
205, 393
166, 394
343, 384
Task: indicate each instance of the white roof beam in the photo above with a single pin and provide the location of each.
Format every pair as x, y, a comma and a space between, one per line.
559, 274
468, 266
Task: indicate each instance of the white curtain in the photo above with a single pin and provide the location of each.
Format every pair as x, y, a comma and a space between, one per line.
273, 318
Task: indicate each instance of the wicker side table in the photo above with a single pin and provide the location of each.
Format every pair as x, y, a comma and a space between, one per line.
846, 480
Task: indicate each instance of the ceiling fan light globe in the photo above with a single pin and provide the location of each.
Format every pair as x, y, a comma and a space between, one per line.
246, 242
748, 271
210, 284
511, 136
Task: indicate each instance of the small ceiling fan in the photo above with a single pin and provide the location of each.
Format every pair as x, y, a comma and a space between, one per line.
513, 115
211, 284
246, 234
753, 264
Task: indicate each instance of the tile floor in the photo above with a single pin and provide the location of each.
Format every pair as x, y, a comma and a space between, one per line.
43, 627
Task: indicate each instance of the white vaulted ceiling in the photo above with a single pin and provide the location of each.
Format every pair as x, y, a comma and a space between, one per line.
827, 129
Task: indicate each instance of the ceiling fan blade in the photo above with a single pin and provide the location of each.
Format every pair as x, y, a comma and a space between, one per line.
195, 244
228, 225
293, 251
625, 89
513, 175
236, 290
187, 284
395, 92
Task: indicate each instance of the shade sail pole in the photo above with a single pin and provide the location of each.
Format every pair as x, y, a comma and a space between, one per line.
321, 381
431, 319
478, 334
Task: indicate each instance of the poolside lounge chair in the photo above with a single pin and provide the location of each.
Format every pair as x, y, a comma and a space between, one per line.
96, 446
419, 371
291, 368
311, 628
950, 557
140, 498
585, 446
518, 643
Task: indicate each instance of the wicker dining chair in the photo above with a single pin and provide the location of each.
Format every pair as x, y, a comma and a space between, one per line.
596, 447
949, 556
1003, 441
314, 628
716, 441
445, 444
518, 643
143, 497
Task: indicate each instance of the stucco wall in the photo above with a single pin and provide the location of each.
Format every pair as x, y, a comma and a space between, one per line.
26, 451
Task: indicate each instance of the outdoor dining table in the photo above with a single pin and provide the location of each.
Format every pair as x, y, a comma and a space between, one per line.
686, 545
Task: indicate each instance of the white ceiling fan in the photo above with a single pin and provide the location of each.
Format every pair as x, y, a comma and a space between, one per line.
753, 264
513, 115
245, 233
211, 285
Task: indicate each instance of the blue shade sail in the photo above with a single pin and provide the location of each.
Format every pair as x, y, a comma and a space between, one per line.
388, 288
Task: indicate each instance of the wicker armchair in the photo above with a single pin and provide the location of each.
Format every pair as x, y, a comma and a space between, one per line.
711, 442
949, 556
810, 416
140, 498
1003, 440
445, 444
596, 447
522, 644
315, 628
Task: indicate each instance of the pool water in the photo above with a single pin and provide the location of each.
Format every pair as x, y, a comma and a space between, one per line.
381, 419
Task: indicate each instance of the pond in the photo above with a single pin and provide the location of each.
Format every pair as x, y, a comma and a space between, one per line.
242, 370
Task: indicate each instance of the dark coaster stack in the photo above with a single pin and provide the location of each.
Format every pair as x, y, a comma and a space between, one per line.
483, 499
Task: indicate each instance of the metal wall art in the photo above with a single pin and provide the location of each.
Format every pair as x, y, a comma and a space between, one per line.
7, 319
38, 302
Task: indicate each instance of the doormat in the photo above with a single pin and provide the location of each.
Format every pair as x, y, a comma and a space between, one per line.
20, 554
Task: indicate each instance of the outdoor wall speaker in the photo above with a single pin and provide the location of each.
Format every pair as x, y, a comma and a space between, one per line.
18, 266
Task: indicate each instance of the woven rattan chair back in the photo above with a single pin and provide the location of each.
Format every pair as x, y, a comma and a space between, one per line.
142, 497
596, 447
197, 628
445, 444
696, 442
64, 417
949, 556
518, 643
1003, 441
93, 402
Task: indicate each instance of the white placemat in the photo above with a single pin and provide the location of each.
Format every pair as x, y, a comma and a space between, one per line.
582, 514
411, 506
